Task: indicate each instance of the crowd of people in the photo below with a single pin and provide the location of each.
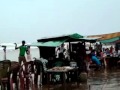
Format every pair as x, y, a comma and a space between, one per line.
98, 56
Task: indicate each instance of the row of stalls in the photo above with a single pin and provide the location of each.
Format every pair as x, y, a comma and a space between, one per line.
65, 54
69, 68
112, 41
113, 58
63, 60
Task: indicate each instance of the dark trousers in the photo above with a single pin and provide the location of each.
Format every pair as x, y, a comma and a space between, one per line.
22, 58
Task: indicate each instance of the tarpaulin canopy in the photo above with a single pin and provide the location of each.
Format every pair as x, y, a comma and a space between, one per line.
48, 43
112, 40
70, 37
56, 41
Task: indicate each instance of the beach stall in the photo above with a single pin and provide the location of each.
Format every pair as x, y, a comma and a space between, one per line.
49, 44
113, 56
47, 47
76, 51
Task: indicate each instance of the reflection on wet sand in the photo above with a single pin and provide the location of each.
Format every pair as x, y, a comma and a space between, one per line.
104, 80
97, 80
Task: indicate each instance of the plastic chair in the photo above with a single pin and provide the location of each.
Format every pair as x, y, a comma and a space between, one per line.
4, 74
14, 78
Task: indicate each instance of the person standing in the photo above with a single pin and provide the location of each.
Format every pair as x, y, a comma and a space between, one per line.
23, 49
4, 50
96, 60
57, 53
88, 60
61, 51
28, 54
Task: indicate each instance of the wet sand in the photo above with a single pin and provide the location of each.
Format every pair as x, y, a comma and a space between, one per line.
97, 80
104, 80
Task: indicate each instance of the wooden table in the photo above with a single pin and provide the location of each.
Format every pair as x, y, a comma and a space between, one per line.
50, 71
112, 61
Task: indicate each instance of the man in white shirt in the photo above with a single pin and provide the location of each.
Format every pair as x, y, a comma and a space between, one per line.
28, 54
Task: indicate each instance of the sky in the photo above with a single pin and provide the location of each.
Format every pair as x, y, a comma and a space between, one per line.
34, 19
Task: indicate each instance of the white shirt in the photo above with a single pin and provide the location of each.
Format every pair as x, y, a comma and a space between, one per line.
28, 56
61, 49
58, 52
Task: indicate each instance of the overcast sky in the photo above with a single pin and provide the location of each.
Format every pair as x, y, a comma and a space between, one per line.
32, 19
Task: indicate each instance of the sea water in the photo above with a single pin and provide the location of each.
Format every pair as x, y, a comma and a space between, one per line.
13, 54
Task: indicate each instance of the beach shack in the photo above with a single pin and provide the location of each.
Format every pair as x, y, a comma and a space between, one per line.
47, 45
113, 59
76, 49
47, 48
110, 48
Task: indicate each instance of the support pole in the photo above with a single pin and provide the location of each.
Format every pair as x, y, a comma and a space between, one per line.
70, 49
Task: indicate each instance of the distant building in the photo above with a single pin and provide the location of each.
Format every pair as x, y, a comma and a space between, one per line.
106, 36
108, 40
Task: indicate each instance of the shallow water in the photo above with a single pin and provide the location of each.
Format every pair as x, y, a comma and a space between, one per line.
13, 54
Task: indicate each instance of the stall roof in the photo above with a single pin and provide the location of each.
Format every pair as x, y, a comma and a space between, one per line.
112, 40
64, 37
48, 43
57, 41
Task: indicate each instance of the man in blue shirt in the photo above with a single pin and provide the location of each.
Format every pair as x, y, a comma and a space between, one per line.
95, 59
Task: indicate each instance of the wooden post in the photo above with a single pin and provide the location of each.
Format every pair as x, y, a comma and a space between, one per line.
70, 49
